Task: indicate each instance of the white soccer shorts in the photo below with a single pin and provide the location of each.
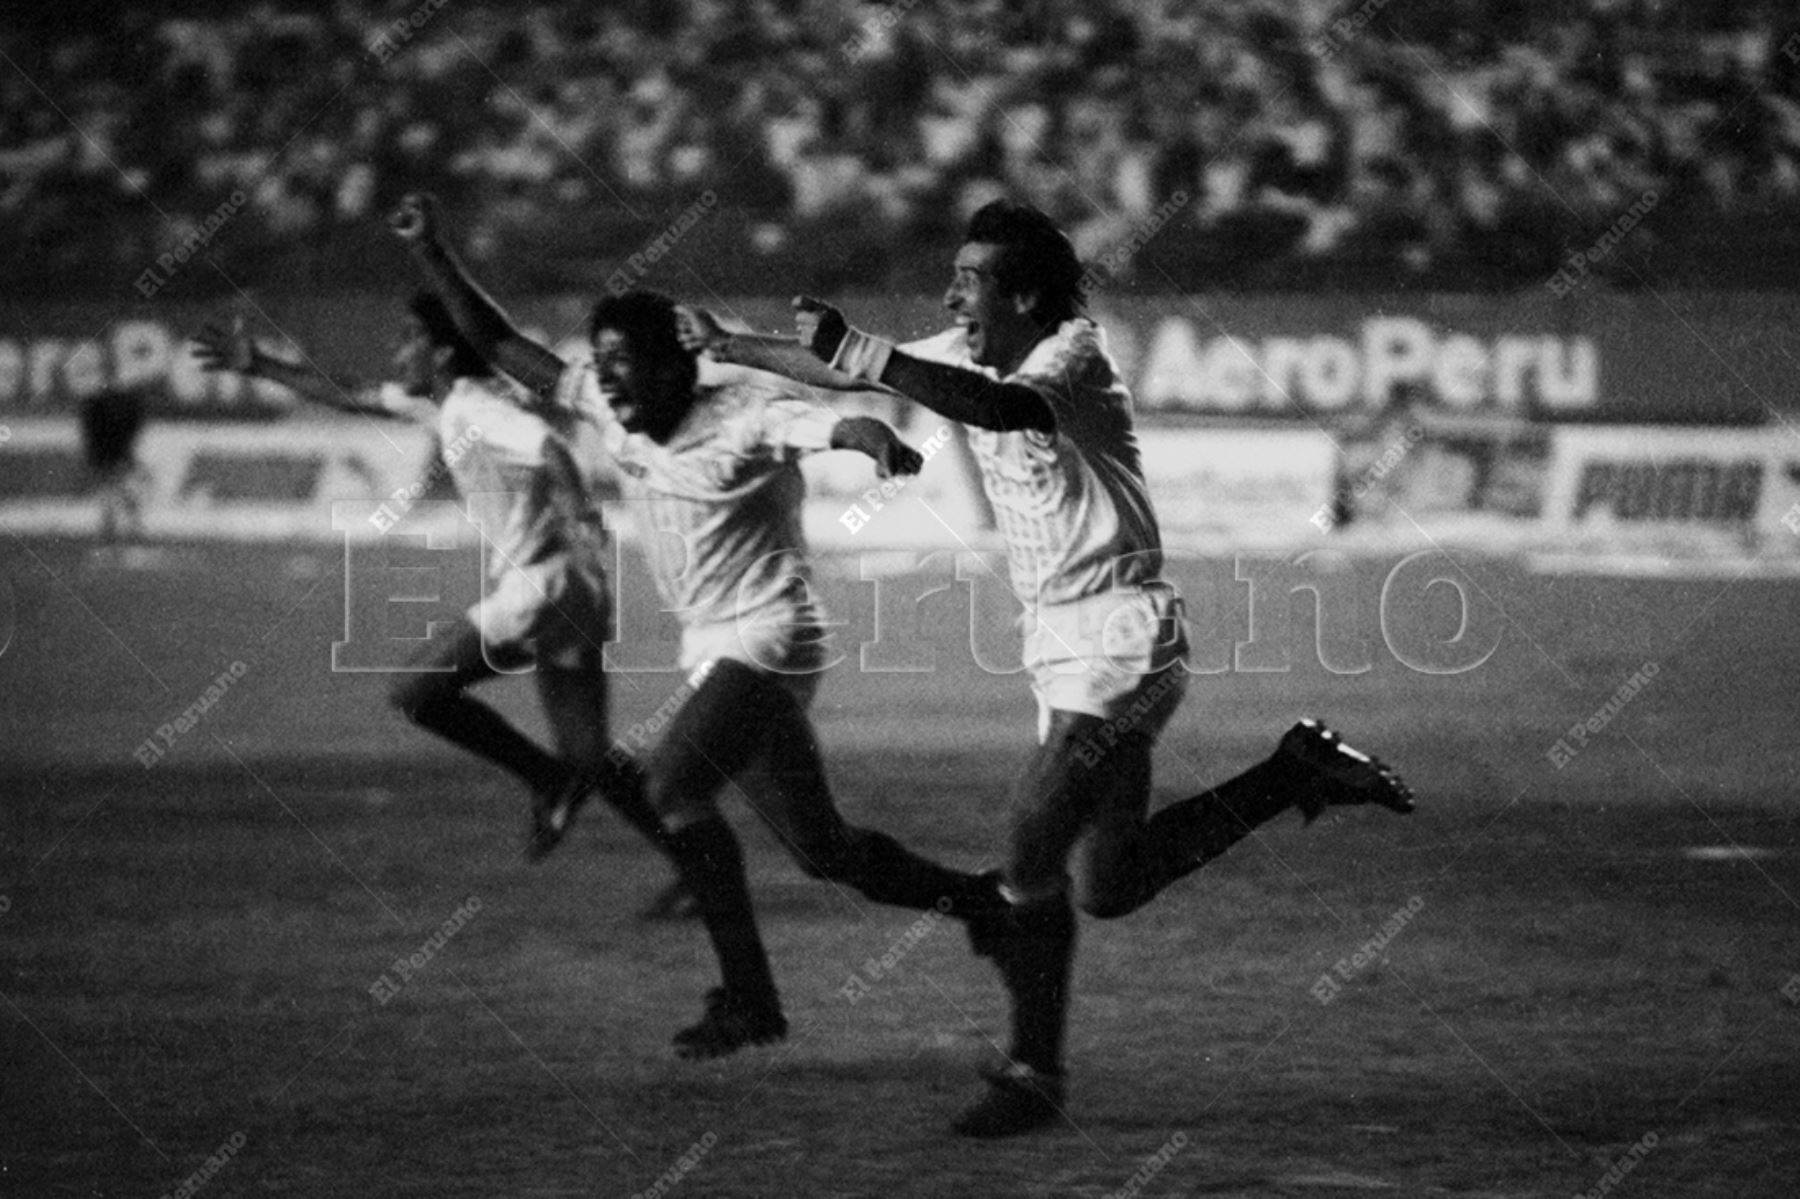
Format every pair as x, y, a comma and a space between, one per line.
1120, 655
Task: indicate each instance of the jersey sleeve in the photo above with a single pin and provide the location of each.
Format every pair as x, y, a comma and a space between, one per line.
947, 348
1064, 367
577, 388
793, 427
392, 399
576, 398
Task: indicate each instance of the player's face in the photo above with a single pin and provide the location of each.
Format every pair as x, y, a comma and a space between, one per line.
996, 325
646, 395
415, 358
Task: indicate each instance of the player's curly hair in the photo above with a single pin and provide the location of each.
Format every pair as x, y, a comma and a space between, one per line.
646, 318
1038, 258
466, 361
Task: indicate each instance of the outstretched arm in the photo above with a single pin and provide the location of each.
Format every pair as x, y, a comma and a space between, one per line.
701, 332
877, 439
967, 396
230, 348
477, 316
962, 395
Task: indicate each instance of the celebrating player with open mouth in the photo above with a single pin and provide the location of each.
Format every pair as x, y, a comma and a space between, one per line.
1049, 420
714, 472
545, 604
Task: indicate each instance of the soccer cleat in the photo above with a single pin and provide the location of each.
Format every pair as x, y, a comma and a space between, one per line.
730, 1023
1018, 1099
673, 902
1340, 775
552, 812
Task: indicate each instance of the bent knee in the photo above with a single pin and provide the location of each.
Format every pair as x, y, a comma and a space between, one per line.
1111, 898
1108, 907
665, 798
680, 797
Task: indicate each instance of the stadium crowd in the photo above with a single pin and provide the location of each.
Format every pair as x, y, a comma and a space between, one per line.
1257, 143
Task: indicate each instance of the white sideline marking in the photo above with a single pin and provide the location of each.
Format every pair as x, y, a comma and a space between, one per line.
1729, 853
1353, 1182
1653, 566
374, 797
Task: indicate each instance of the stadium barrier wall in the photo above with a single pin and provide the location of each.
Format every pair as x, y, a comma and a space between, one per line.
1594, 357
203, 481
1730, 487
1236, 488
1508, 422
1602, 488
1706, 493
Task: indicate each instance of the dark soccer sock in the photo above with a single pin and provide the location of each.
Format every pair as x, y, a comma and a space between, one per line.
1189, 833
888, 872
1036, 967
711, 866
479, 729
621, 783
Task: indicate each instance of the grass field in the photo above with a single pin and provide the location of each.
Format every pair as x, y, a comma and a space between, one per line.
1597, 970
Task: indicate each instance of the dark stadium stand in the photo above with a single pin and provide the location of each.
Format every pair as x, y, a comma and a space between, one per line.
1305, 144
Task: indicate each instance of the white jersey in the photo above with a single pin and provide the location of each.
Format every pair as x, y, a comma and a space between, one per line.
517, 471
1071, 504
719, 504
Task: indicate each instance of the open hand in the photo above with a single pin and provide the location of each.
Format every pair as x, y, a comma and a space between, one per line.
697, 328
222, 348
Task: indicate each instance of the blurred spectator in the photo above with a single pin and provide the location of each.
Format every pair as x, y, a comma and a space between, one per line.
1470, 142
110, 424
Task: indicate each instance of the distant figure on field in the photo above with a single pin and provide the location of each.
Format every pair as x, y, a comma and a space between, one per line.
110, 424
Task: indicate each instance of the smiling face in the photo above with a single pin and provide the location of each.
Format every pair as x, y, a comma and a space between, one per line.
647, 395
998, 326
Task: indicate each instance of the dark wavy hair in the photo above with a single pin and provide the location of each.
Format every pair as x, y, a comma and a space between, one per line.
465, 360
646, 318
1038, 258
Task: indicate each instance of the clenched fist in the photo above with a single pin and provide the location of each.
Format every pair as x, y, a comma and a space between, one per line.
821, 327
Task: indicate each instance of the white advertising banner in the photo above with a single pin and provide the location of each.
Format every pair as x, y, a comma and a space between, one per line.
246, 482
1625, 477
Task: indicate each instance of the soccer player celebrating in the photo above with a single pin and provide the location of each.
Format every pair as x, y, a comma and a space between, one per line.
546, 602
714, 472
110, 424
1049, 422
